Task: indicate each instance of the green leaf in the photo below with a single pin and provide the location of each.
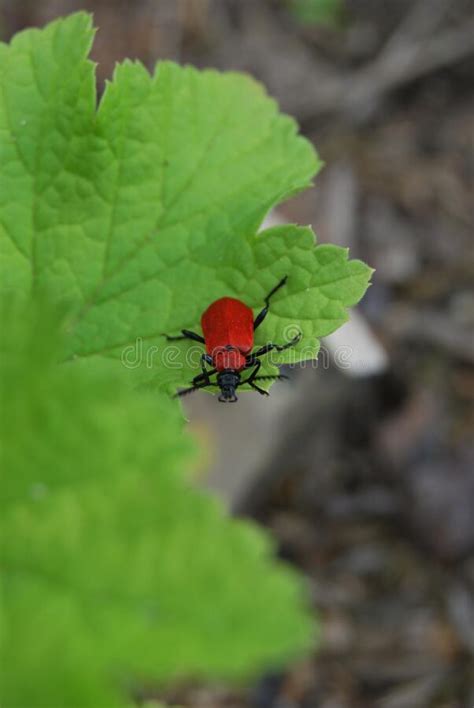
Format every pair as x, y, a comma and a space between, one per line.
46, 106
139, 215
116, 572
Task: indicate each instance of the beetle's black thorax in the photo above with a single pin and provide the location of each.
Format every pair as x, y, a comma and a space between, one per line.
228, 381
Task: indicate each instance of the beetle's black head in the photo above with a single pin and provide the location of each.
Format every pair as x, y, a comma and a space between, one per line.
228, 382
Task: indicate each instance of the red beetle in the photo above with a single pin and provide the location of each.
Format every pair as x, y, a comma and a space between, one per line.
228, 327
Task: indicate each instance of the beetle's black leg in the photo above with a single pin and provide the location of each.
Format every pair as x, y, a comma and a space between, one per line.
276, 377
201, 380
257, 364
260, 390
186, 334
205, 373
263, 313
273, 347
194, 387
204, 377
253, 377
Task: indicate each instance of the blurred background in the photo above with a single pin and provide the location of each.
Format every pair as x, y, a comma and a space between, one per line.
362, 465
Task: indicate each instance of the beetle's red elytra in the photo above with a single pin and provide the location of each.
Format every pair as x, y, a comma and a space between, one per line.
228, 327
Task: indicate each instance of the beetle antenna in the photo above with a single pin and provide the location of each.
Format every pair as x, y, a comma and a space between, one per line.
280, 377
185, 391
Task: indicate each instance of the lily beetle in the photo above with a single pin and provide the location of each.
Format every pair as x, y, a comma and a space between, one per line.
228, 327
